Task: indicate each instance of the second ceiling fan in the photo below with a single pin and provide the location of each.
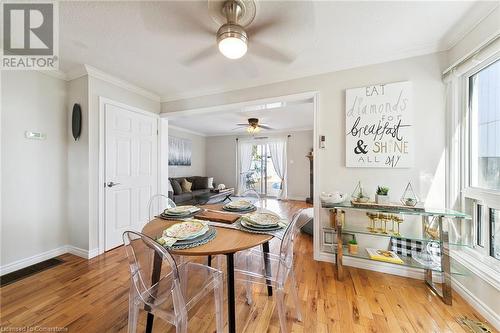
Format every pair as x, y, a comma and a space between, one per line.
253, 126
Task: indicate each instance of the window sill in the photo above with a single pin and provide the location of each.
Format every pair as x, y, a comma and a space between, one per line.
485, 267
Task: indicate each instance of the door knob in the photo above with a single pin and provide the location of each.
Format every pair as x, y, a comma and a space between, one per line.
111, 184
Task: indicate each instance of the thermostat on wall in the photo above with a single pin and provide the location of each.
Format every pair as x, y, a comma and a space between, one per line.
34, 135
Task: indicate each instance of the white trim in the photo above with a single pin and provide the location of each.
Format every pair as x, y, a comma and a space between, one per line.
240, 105
102, 144
488, 313
81, 252
182, 129
22, 263
101, 75
477, 267
267, 132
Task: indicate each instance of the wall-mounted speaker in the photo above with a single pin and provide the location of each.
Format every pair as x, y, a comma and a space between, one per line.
76, 121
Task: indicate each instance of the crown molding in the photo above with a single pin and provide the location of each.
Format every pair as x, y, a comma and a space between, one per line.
98, 74
85, 69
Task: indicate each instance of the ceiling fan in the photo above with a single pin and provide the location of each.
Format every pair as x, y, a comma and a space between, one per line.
253, 126
236, 32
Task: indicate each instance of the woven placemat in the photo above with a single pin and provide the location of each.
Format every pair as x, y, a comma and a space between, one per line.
207, 237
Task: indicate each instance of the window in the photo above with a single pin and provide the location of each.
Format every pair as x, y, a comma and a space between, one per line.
482, 168
495, 233
484, 110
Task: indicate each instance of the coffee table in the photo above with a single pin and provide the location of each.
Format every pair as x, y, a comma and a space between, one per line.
214, 197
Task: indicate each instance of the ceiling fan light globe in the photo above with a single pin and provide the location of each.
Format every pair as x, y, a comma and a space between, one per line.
253, 130
233, 47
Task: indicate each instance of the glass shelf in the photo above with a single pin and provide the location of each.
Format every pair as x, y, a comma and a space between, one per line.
352, 229
401, 210
407, 261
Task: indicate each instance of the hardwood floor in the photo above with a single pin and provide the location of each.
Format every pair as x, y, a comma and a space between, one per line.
92, 296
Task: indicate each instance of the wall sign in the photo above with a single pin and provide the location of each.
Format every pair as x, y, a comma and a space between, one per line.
379, 126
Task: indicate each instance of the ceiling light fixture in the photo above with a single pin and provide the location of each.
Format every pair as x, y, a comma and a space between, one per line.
253, 129
232, 38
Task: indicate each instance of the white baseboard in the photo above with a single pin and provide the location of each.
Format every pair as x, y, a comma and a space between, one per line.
19, 264
488, 313
22, 263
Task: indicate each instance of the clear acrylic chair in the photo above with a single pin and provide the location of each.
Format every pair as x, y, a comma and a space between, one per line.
156, 287
158, 203
253, 196
273, 271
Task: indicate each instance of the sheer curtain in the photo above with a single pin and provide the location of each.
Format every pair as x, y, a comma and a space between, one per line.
277, 149
244, 163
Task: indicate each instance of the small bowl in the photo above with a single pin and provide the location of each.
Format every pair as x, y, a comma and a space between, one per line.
363, 199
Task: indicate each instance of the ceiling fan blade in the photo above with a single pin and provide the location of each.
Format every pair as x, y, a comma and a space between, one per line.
236, 128
263, 50
242, 124
190, 11
204, 54
265, 126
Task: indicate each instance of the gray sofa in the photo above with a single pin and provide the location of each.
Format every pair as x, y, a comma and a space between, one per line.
200, 186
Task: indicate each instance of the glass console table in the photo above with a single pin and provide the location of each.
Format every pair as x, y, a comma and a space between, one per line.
441, 227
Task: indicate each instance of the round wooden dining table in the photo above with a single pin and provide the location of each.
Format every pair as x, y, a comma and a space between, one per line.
226, 242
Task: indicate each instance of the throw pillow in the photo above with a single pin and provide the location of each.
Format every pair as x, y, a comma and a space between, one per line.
176, 186
200, 183
186, 186
210, 184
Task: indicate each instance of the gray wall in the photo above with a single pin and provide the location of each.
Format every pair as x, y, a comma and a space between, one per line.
34, 173
198, 165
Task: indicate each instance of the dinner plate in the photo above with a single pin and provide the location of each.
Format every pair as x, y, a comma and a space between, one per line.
207, 234
186, 230
264, 219
181, 210
248, 210
254, 228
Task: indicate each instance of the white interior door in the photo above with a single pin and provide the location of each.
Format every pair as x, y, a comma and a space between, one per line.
131, 170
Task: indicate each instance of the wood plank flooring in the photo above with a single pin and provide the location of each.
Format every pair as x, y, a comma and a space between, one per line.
92, 296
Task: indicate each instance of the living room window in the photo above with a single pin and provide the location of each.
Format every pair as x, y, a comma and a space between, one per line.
481, 169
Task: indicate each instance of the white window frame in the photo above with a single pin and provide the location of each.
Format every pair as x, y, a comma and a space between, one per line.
478, 257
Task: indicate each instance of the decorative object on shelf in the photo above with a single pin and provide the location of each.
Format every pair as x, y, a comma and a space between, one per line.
221, 187
76, 121
382, 195
358, 195
372, 217
384, 255
332, 198
353, 246
389, 147
409, 198
391, 206
398, 220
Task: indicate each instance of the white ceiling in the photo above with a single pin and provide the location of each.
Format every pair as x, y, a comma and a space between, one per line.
292, 116
149, 43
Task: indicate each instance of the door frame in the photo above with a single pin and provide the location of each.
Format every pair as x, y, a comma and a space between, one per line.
317, 151
160, 174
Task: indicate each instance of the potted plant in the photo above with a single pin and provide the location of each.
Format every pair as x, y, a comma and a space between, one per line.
353, 246
382, 196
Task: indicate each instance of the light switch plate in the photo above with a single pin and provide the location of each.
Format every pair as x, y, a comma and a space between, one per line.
34, 135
